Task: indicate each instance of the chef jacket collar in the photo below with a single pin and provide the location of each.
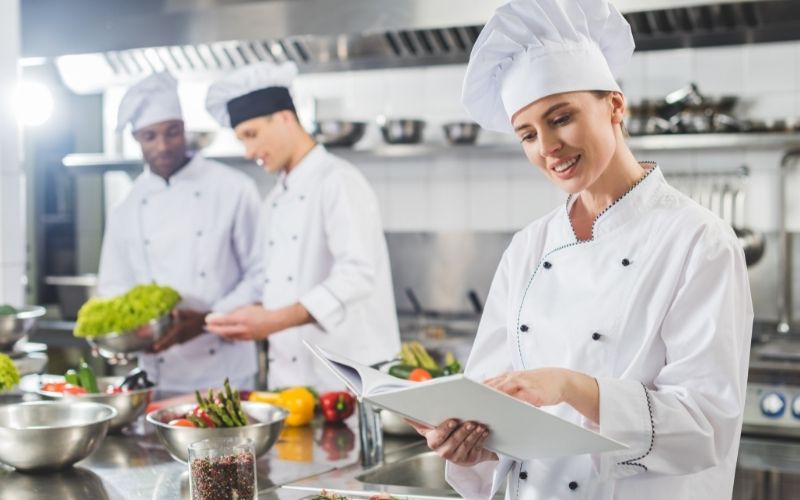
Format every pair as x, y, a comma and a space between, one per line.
628, 206
305, 171
189, 173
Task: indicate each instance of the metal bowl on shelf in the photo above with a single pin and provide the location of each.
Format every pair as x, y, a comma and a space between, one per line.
338, 133
266, 422
50, 435
129, 404
401, 131
461, 132
15, 326
131, 341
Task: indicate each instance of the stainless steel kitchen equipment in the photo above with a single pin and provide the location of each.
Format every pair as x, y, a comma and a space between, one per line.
127, 344
73, 292
13, 327
338, 133
266, 424
401, 131
48, 435
461, 132
129, 404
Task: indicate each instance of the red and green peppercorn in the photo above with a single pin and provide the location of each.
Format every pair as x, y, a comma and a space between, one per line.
224, 478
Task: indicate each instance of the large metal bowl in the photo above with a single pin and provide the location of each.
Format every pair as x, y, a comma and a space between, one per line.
402, 131
338, 133
50, 435
266, 424
15, 326
129, 404
461, 132
131, 341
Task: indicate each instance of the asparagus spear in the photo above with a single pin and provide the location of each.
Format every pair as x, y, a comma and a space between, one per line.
232, 413
198, 422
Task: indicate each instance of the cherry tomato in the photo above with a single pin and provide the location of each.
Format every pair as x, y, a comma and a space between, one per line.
419, 374
73, 389
181, 422
53, 387
112, 389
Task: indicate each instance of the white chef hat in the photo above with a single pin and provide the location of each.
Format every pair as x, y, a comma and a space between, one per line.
255, 90
152, 100
532, 49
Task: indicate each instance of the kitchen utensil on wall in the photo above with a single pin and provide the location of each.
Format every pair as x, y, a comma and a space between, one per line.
401, 131
753, 242
338, 133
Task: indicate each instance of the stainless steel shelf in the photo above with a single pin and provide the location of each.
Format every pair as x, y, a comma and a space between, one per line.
94, 163
678, 142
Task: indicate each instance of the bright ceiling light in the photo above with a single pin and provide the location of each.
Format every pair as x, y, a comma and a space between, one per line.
33, 103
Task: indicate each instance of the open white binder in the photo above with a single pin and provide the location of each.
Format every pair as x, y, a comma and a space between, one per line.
516, 429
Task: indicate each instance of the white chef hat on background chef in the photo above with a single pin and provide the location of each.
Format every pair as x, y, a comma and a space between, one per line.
152, 100
531, 49
254, 90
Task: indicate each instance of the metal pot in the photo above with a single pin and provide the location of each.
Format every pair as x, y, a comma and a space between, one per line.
338, 133
402, 131
73, 292
461, 132
752, 242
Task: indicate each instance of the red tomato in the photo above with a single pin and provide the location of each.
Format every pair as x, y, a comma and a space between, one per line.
419, 374
201, 414
73, 389
181, 422
53, 387
113, 389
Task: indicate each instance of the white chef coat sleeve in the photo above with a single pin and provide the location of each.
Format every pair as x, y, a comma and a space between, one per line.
353, 231
689, 418
115, 275
246, 245
489, 356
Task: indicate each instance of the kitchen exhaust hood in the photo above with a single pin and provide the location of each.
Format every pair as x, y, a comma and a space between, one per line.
97, 43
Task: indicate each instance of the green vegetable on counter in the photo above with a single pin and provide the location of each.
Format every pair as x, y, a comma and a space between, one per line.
71, 377
86, 378
7, 310
9, 375
131, 310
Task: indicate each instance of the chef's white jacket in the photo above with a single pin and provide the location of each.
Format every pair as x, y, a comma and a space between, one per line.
195, 233
657, 307
324, 247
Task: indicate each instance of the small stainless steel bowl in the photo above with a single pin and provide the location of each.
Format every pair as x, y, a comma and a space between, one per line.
338, 133
392, 423
402, 131
129, 404
266, 424
131, 341
50, 435
15, 326
461, 132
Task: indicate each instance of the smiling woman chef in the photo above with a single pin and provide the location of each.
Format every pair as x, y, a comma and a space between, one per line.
627, 309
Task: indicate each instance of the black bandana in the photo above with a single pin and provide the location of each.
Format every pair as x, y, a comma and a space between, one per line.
261, 102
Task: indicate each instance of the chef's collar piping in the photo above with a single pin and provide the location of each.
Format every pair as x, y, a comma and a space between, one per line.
653, 166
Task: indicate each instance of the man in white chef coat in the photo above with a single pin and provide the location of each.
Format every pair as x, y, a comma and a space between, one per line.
188, 223
327, 277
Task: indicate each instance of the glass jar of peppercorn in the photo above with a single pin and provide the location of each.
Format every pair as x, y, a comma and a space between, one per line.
223, 468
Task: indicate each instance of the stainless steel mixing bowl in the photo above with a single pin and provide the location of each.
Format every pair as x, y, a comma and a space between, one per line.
15, 326
338, 133
401, 131
266, 422
129, 404
49, 435
131, 341
461, 132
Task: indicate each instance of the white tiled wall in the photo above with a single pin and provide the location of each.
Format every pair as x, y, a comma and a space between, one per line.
459, 192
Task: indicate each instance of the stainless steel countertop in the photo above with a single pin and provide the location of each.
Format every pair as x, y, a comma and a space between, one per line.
136, 466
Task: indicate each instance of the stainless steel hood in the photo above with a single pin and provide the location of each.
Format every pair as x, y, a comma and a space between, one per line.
100, 43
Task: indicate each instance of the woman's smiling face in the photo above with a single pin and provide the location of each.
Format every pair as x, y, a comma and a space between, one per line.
571, 136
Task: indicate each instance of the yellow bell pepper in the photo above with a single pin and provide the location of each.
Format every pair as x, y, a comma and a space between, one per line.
297, 400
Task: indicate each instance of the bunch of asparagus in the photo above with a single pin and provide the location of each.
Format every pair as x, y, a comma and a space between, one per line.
223, 409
